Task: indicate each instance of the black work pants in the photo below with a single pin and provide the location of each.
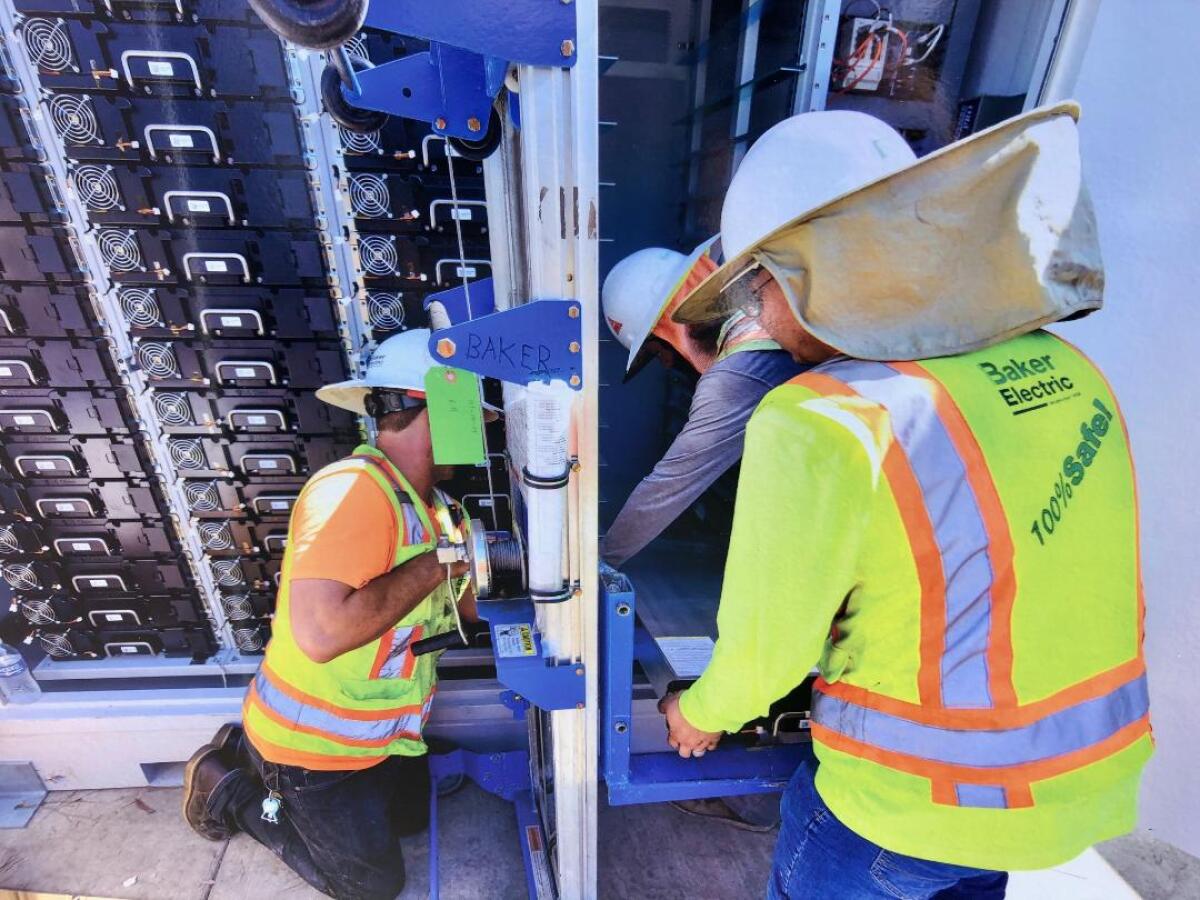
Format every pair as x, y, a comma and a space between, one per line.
339, 831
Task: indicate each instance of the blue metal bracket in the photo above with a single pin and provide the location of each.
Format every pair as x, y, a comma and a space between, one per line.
539, 341
520, 664
532, 32
451, 89
463, 308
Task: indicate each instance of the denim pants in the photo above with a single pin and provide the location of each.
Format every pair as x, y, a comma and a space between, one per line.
818, 857
339, 831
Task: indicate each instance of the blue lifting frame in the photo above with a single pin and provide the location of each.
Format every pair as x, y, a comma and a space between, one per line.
507, 776
466, 302
656, 777
520, 663
454, 85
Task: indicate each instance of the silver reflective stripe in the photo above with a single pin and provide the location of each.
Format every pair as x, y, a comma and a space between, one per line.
1066, 731
379, 731
958, 526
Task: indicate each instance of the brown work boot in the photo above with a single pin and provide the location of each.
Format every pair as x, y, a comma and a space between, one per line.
202, 776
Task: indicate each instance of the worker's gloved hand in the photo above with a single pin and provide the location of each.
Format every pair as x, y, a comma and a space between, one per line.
681, 734
427, 570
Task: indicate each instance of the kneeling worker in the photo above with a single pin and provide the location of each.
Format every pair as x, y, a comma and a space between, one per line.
942, 512
737, 362
337, 767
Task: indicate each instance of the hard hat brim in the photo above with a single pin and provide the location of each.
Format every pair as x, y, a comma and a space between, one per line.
709, 302
352, 395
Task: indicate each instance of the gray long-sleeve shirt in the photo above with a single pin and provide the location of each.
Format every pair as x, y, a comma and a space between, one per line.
703, 451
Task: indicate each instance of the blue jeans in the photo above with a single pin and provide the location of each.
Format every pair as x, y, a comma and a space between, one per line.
818, 857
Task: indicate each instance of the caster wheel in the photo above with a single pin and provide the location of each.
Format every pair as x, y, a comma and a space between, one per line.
479, 149
315, 24
352, 118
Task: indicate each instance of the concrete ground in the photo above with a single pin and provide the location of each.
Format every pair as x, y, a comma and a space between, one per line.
133, 844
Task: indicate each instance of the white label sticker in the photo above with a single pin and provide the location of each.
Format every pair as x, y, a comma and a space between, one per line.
515, 640
129, 650
461, 214
466, 271
199, 206
279, 504
161, 68
64, 507
244, 372
256, 420
45, 465
81, 545
687, 656
216, 265
5, 371
112, 617
231, 321
24, 420
268, 464
181, 140
97, 582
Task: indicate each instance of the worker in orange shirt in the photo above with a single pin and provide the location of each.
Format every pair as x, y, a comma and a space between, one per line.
337, 768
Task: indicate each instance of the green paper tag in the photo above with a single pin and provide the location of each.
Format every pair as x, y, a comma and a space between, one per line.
455, 417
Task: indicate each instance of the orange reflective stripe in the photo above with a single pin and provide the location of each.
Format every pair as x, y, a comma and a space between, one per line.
1000, 544
365, 715
321, 762
914, 515
1015, 778
988, 719
253, 697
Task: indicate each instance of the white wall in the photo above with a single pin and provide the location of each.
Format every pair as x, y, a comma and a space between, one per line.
1141, 146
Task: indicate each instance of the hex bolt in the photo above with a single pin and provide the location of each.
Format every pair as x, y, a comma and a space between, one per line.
446, 348
575, 381
568, 48
574, 346
573, 312
439, 123
473, 124
579, 671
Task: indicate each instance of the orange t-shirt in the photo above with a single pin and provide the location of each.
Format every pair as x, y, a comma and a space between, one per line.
343, 529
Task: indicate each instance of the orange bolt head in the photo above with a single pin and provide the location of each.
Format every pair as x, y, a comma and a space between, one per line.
446, 348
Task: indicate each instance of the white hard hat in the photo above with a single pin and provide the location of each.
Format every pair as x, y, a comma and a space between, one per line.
639, 289
801, 164
636, 292
400, 364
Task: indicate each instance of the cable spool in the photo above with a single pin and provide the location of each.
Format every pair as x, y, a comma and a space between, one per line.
497, 562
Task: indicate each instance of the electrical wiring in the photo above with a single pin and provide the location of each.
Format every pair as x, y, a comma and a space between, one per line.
933, 38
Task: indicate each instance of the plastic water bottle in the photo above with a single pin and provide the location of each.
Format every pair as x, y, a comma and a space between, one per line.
16, 681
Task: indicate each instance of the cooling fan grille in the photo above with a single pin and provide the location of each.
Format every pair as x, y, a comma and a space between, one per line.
377, 252
57, 645
21, 577
120, 250
238, 607
228, 572
360, 143
187, 454
369, 197
215, 535
140, 308
172, 409
97, 188
48, 45
157, 359
385, 311
202, 496
8, 541
74, 119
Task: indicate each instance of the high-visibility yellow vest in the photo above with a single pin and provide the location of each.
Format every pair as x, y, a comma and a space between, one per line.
983, 697
370, 703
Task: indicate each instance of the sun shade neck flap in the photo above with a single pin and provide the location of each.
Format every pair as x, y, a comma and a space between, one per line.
986, 242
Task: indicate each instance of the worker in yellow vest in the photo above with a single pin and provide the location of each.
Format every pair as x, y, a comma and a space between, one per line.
941, 515
333, 720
